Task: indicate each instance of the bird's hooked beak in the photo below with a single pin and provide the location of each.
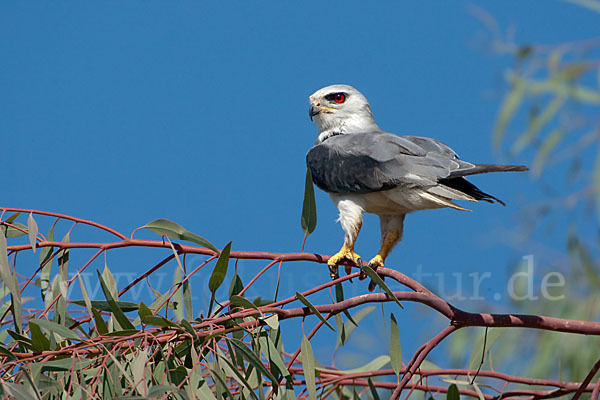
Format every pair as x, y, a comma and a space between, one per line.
316, 109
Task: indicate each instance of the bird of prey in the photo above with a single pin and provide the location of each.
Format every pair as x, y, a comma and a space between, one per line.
365, 169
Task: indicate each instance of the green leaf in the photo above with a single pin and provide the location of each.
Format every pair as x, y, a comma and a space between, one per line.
253, 359
158, 321
308, 220
395, 348
234, 373
187, 300
170, 229
373, 365
102, 305
9, 355
272, 354
478, 390
218, 275
177, 295
138, 370
158, 391
236, 285
46, 262
101, 326
5, 272
126, 332
32, 227
453, 393
189, 328
568, 89
373, 390
11, 232
12, 218
114, 308
53, 327
67, 364
377, 279
510, 105
339, 297
144, 311
308, 365
10, 280
239, 301
307, 303
86, 298
339, 324
37, 337
19, 392
548, 145
350, 326
537, 123
477, 354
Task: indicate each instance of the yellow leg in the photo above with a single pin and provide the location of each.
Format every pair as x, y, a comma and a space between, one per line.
389, 241
345, 253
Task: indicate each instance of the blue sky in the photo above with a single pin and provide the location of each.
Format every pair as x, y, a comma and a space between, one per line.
124, 112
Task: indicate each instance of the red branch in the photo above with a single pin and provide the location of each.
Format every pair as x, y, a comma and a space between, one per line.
221, 324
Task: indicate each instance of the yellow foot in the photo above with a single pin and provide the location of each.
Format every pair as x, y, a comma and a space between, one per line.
344, 254
375, 263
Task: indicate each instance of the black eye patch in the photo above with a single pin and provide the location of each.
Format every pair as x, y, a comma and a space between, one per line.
339, 97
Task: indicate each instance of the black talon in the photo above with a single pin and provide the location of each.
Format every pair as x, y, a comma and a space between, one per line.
372, 286
334, 273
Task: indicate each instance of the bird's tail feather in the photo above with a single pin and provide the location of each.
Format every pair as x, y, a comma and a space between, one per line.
461, 185
486, 168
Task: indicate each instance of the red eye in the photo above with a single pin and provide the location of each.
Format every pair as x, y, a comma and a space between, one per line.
339, 98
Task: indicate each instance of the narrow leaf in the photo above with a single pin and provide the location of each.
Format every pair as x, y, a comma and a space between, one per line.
46, 263
236, 285
307, 303
253, 360
373, 390
53, 327
218, 275
114, 308
308, 220
477, 354
272, 354
170, 229
308, 364
395, 348
102, 305
553, 139
373, 365
32, 227
177, 296
453, 393
38, 338
339, 297
13, 232
101, 326
357, 317
144, 311
239, 301
187, 300
509, 106
537, 123
377, 279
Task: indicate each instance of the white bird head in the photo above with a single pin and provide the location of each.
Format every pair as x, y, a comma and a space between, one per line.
340, 109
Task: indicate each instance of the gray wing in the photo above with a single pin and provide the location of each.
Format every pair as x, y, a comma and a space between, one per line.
369, 162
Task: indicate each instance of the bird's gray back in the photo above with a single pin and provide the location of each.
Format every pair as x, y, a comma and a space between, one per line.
374, 161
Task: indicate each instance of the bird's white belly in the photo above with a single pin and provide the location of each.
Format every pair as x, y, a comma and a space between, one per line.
397, 201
